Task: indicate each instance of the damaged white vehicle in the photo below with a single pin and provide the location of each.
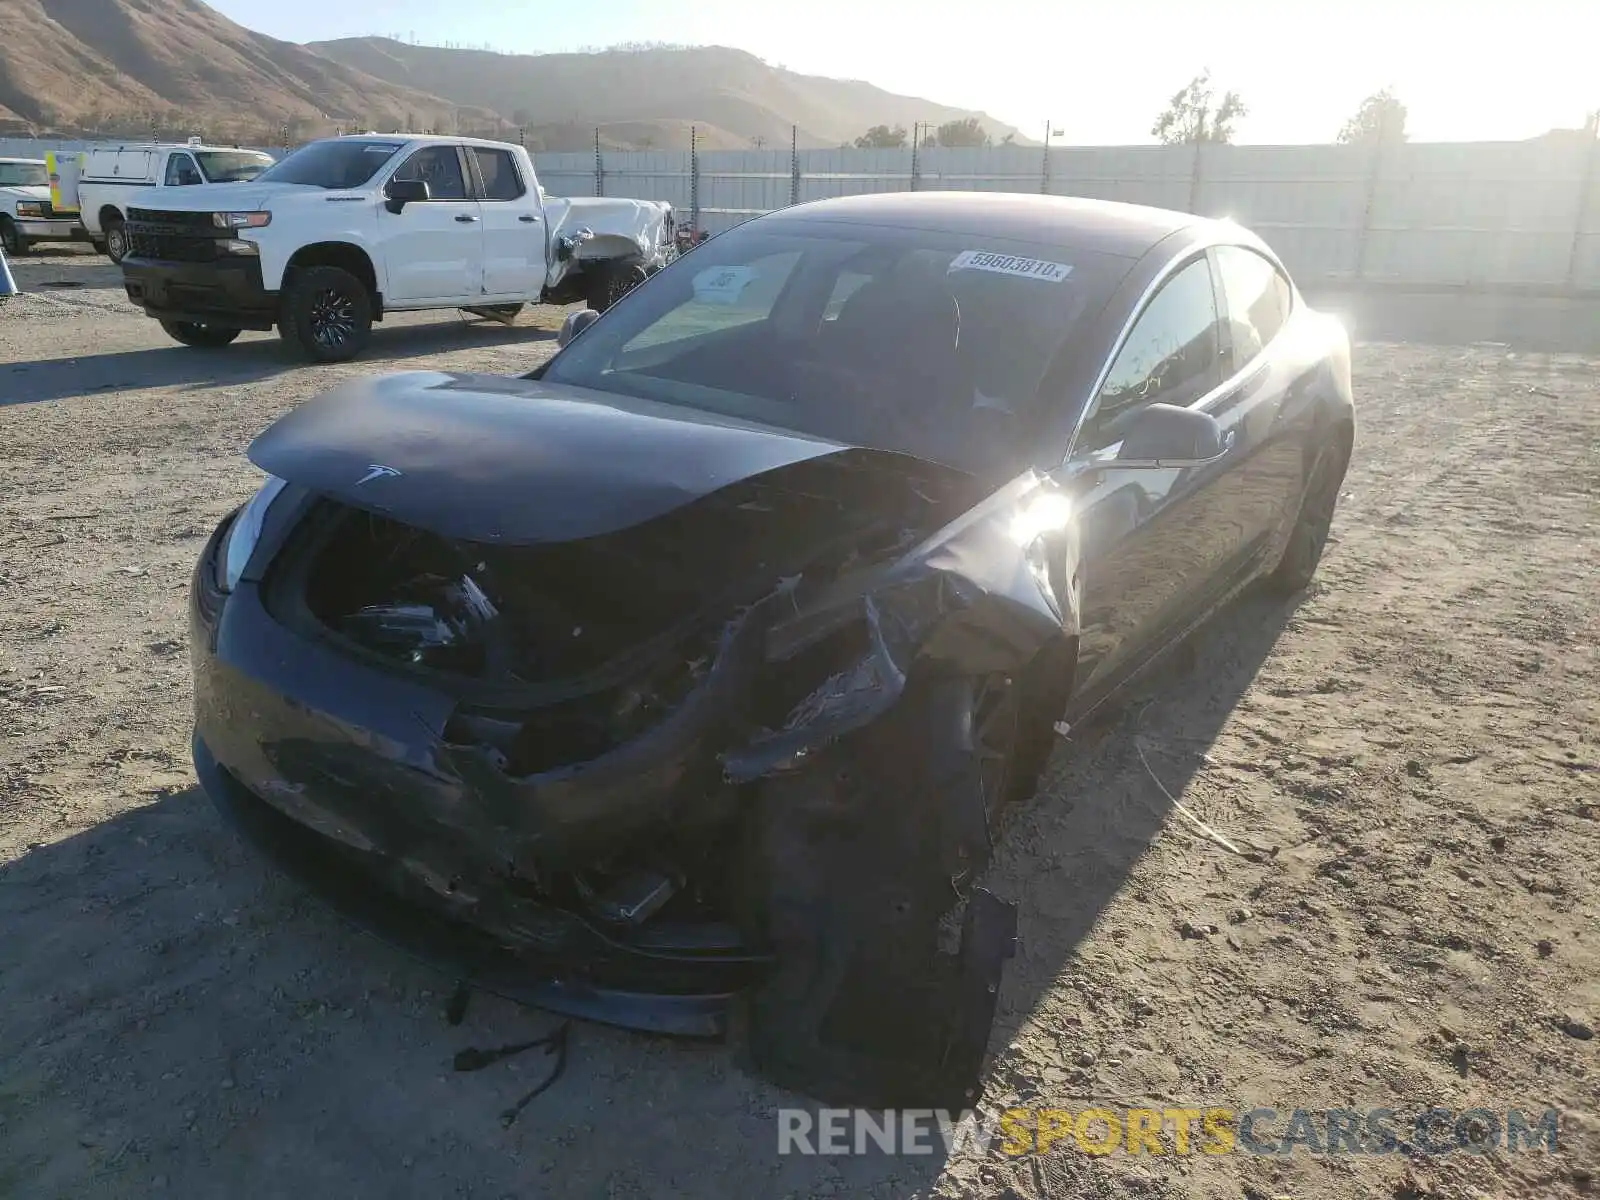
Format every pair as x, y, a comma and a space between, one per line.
346, 230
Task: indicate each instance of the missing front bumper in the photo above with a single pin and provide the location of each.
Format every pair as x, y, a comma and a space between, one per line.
583, 973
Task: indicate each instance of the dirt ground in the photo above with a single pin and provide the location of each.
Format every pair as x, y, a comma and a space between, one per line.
1409, 759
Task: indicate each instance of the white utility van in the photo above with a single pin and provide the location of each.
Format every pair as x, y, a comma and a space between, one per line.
108, 176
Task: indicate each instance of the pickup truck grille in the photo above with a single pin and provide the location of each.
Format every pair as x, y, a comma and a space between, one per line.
172, 236
176, 220
168, 247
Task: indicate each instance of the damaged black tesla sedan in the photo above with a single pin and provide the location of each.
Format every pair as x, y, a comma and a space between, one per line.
703, 663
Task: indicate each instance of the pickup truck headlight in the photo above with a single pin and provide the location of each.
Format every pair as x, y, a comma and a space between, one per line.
243, 534
241, 220
30, 208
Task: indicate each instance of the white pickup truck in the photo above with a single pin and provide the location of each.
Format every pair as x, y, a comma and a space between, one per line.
26, 214
100, 183
346, 230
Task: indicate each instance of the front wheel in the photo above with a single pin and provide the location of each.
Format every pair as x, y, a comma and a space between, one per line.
327, 314
191, 333
116, 241
12, 240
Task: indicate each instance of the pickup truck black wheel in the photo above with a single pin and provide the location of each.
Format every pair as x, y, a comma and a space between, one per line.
611, 282
12, 240
116, 240
191, 333
327, 313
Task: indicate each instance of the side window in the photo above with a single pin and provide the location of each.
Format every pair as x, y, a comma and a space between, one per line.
440, 168
1258, 299
181, 171
1172, 355
499, 171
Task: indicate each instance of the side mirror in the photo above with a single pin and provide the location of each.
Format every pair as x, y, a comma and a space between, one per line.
575, 324
1165, 435
402, 192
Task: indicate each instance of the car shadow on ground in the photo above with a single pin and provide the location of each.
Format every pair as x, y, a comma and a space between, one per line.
178, 1016
243, 362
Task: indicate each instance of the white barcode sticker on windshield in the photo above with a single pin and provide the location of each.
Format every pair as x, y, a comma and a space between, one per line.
722, 285
1009, 264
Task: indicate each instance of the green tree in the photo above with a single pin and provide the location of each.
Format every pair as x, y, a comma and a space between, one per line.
881, 137
1195, 114
964, 131
1381, 118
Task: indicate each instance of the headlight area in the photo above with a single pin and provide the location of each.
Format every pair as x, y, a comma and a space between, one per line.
240, 540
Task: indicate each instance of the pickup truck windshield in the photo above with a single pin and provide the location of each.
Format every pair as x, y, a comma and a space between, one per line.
924, 342
335, 164
16, 174
232, 166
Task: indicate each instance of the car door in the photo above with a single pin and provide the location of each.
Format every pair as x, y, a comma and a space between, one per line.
513, 226
1145, 551
1265, 477
433, 248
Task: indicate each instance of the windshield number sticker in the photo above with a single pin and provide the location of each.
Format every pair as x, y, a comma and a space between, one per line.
1008, 264
722, 285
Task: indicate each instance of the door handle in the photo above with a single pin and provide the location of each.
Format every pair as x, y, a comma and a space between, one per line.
528, 219
465, 219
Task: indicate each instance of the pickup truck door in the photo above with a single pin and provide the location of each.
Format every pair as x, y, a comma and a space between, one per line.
513, 224
433, 249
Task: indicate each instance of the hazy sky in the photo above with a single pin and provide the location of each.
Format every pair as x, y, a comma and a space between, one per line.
1474, 69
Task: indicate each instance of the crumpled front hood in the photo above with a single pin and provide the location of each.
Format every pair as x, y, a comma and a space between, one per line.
515, 461
41, 192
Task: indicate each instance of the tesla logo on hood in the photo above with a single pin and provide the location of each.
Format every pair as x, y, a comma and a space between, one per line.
378, 471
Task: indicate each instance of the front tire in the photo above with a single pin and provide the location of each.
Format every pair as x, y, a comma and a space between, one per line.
12, 240
116, 241
327, 314
1309, 538
191, 333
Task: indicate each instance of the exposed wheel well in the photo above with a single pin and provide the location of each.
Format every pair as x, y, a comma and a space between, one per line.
347, 258
110, 214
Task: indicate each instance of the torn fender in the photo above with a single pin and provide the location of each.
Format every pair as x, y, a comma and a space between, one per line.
987, 593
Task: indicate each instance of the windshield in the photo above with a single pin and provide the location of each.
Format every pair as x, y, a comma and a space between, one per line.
15, 174
232, 166
928, 343
336, 163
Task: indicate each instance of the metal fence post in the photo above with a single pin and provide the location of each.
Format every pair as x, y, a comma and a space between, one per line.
916, 144
794, 164
1194, 179
1591, 164
599, 166
694, 180
283, 131
1374, 177
1044, 163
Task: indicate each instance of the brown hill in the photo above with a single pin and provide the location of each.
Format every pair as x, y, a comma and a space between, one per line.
648, 96
119, 65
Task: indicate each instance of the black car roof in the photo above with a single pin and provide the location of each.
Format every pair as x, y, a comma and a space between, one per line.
1105, 226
